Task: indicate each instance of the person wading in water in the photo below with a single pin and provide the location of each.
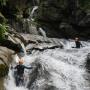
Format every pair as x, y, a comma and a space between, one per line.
19, 73
78, 43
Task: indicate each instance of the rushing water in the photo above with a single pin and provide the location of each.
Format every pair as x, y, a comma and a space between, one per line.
43, 34
32, 12
61, 69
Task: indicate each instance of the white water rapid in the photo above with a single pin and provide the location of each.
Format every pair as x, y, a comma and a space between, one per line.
43, 34
61, 69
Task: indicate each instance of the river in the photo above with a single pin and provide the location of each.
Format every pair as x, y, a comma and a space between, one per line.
61, 69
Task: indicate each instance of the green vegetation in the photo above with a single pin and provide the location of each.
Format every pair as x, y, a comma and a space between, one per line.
3, 2
3, 26
3, 30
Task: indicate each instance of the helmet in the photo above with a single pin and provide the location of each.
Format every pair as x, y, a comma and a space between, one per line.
21, 61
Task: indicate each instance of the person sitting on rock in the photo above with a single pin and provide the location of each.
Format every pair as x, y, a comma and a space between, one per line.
19, 73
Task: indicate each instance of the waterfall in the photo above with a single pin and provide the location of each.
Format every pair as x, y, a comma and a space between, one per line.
58, 69
32, 12
43, 34
10, 85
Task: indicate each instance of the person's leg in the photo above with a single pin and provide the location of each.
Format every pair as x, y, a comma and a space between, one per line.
17, 81
21, 80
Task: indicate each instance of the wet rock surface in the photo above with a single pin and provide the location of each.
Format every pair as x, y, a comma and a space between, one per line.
5, 59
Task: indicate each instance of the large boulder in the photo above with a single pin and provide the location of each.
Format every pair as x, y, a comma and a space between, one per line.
5, 59
13, 41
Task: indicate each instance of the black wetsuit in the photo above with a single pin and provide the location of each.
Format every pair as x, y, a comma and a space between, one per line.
78, 44
19, 74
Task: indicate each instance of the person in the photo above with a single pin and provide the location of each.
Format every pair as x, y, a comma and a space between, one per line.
19, 73
78, 43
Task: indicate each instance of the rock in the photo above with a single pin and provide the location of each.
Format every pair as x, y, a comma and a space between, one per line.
29, 51
3, 70
14, 41
37, 40
85, 22
10, 45
52, 14
67, 30
5, 59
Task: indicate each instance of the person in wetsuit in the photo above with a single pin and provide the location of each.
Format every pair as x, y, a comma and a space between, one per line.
78, 43
19, 73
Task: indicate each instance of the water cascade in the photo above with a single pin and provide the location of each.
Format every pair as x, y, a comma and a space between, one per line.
32, 12
57, 69
43, 34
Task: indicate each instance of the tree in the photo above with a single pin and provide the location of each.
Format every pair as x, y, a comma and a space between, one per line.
3, 2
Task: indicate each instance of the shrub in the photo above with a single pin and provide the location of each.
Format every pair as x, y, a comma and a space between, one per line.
3, 30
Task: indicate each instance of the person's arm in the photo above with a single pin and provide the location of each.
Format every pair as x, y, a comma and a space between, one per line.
27, 67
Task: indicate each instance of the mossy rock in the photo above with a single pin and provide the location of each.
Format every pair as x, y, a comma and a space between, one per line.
3, 70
